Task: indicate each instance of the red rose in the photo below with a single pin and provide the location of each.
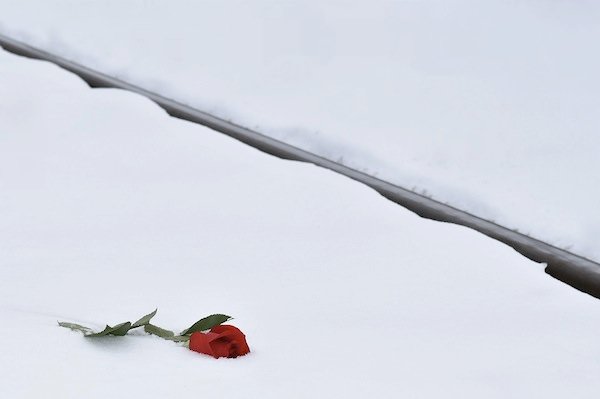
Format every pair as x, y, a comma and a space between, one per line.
220, 341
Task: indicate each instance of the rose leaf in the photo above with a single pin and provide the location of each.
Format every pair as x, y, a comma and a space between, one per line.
206, 323
118, 330
161, 332
76, 327
144, 320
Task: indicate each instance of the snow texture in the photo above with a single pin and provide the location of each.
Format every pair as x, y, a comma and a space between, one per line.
490, 106
109, 208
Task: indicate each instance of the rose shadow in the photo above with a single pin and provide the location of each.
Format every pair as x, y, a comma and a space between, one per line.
112, 343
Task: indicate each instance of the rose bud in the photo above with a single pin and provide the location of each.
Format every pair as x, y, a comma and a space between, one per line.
220, 341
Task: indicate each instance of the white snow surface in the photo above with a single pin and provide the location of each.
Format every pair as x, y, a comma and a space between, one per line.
109, 208
490, 106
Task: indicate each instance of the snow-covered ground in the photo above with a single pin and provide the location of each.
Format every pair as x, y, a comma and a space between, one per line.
491, 106
109, 208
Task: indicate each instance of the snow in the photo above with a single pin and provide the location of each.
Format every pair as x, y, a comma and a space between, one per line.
109, 208
489, 106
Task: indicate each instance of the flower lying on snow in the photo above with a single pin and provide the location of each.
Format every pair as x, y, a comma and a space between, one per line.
219, 340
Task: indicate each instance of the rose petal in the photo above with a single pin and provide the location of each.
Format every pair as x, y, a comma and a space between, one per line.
235, 334
222, 347
220, 341
200, 342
